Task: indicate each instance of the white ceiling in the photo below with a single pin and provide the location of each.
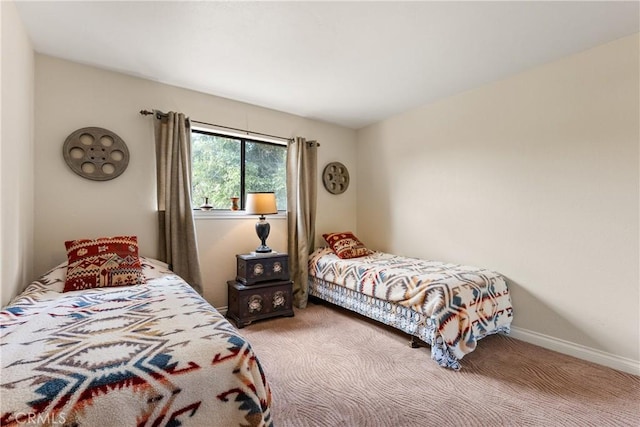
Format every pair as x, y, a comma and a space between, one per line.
350, 63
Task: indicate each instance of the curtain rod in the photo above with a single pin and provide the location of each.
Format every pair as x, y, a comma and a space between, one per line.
148, 113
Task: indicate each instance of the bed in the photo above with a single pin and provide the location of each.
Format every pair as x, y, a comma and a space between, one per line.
146, 354
447, 306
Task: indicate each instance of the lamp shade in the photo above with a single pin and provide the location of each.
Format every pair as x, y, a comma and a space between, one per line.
261, 203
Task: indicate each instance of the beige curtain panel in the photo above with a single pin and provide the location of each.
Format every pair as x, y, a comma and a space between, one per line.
302, 165
178, 246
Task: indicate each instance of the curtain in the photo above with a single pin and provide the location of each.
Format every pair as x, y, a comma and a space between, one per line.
302, 167
177, 242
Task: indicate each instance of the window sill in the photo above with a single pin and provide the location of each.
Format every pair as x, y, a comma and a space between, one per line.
222, 214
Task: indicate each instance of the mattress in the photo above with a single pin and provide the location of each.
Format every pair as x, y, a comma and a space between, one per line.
150, 354
449, 306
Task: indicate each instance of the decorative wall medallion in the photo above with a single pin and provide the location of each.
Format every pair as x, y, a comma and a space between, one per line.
279, 299
335, 178
96, 153
255, 303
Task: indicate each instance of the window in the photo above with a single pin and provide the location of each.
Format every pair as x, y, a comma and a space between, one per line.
225, 166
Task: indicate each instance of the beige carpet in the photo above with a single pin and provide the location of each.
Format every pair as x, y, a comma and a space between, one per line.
329, 367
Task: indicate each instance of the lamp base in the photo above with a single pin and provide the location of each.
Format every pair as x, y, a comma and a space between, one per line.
263, 249
262, 229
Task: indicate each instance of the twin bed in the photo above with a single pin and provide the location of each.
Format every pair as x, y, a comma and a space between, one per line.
110, 338
145, 355
448, 306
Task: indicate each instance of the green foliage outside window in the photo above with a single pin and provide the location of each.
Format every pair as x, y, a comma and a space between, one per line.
217, 169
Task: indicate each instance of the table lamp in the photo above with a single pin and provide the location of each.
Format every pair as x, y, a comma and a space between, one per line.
262, 204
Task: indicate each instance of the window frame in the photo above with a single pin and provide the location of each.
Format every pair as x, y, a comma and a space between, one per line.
243, 140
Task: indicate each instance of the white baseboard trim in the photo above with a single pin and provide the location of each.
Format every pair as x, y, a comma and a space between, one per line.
576, 350
223, 309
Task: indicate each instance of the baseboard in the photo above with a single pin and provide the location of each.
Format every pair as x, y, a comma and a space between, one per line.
576, 350
223, 309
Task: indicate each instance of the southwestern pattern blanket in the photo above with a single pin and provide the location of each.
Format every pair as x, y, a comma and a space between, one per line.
150, 354
449, 306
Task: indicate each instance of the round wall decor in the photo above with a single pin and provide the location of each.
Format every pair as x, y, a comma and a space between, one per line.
96, 153
335, 178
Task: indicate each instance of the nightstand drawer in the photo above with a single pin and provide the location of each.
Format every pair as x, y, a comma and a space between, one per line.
258, 268
260, 301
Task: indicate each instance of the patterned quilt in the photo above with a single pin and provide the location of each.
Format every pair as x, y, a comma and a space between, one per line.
458, 304
145, 355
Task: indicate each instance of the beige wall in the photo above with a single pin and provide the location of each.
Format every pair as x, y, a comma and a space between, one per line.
16, 155
535, 176
70, 96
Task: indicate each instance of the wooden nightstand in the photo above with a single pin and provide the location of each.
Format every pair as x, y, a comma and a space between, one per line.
262, 288
248, 303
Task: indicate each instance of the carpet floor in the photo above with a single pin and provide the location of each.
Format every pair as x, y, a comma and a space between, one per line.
329, 367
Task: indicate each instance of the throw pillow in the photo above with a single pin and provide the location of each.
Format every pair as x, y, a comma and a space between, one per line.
346, 245
103, 262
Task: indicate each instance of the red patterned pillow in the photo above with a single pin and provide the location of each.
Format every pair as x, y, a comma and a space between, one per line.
346, 245
103, 262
